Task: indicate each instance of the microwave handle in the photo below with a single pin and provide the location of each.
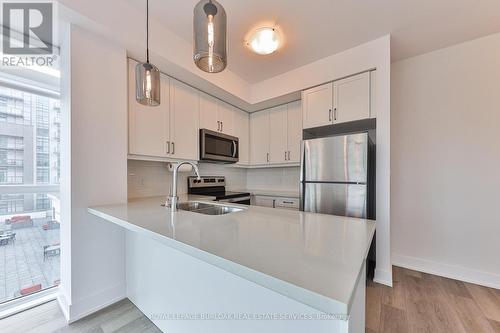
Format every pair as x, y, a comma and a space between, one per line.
234, 148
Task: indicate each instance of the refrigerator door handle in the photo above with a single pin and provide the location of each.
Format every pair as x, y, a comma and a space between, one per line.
302, 176
302, 166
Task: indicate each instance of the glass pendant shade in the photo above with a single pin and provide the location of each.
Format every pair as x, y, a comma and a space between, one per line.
210, 43
147, 84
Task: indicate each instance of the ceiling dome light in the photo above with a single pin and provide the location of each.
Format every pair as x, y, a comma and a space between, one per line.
265, 41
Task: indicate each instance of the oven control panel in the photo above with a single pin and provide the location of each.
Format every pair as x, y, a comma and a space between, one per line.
206, 181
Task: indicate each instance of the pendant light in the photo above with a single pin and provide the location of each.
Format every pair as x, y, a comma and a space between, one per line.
209, 29
147, 76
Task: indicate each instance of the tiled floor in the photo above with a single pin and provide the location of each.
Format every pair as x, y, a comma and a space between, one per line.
421, 302
22, 262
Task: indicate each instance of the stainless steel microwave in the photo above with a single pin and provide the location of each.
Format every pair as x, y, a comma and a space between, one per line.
218, 147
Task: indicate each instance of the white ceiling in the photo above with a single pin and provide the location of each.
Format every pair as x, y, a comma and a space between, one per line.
314, 29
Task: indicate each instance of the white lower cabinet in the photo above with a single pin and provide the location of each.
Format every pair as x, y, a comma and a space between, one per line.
275, 202
262, 201
287, 203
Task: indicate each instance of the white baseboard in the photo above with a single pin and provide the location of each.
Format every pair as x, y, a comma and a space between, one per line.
482, 278
95, 302
383, 276
62, 299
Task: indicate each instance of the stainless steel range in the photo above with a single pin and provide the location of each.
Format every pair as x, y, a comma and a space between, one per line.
215, 186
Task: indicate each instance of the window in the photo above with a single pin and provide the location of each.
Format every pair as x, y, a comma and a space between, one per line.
11, 203
29, 225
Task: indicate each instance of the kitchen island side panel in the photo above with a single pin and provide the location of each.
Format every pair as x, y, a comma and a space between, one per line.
168, 286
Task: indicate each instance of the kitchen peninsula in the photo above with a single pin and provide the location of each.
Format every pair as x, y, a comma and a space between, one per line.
254, 270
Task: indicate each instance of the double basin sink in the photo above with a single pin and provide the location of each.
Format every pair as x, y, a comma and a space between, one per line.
207, 208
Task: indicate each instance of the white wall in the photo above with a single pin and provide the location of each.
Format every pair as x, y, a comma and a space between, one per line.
94, 170
446, 160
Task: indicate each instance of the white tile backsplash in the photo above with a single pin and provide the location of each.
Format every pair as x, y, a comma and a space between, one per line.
146, 178
276, 179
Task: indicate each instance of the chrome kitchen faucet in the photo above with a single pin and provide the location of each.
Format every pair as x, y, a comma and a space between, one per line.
173, 198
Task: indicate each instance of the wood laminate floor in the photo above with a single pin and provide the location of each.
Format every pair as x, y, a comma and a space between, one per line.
48, 318
418, 302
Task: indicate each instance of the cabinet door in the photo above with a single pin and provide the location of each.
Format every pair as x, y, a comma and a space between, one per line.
208, 112
351, 98
184, 115
294, 131
225, 114
263, 201
148, 127
277, 135
242, 131
259, 137
317, 106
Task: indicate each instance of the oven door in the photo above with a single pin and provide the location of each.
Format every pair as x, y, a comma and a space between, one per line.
218, 147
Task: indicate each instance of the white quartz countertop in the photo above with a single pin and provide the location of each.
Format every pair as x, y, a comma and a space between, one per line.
315, 259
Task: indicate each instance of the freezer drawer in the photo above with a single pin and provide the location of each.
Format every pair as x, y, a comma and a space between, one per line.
336, 159
335, 199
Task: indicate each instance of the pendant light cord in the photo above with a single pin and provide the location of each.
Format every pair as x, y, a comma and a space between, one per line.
147, 31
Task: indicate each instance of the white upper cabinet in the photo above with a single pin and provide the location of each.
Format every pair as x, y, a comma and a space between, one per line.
317, 106
259, 137
275, 135
278, 135
225, 114
184, 115
242, 131
148, 126
351, 98
208, 112
294, 131
338, 102
216, 115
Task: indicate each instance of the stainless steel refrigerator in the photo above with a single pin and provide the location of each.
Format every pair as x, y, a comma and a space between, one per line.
337, 176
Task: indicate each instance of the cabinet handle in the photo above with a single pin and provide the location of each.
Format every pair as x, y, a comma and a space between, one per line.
274, 203
218, 125
289, 155
168, 147
285, 155
221, 126
288, 202
267, 157
335, 114
173, 148
330, 114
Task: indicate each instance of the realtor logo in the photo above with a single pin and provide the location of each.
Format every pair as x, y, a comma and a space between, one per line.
27, 28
